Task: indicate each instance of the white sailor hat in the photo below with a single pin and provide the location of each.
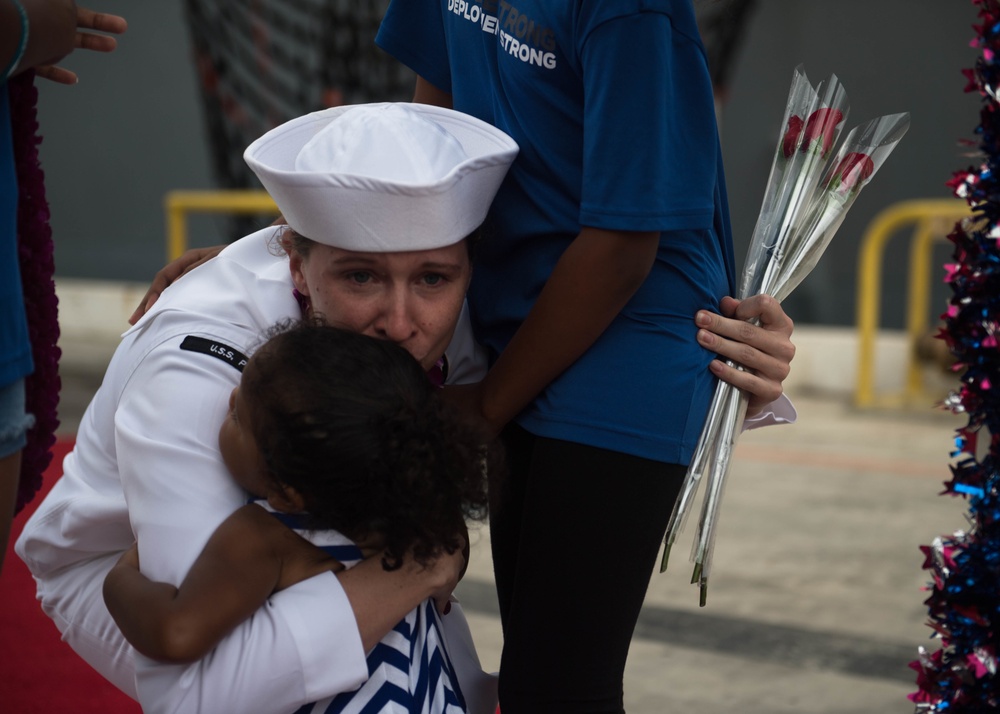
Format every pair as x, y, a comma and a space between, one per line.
383, 177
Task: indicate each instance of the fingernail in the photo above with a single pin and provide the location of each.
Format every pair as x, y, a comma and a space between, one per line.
705, 337
703, 318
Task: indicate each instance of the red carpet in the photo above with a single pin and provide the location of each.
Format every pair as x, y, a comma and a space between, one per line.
39, 674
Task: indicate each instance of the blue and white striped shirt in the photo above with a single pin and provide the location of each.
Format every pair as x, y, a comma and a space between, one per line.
409, 671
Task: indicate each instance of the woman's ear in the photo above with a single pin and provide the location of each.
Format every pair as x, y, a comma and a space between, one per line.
286, 499
295, 265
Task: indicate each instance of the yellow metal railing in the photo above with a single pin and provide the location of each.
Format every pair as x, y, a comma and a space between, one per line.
932, 221
178, 204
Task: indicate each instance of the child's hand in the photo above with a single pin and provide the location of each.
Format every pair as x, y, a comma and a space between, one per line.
449, 568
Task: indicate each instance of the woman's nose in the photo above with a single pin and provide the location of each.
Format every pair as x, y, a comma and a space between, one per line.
396, 321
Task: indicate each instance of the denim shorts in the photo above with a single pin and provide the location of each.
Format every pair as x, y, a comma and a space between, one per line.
14, 423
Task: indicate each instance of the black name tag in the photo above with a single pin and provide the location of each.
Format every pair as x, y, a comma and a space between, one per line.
227, 354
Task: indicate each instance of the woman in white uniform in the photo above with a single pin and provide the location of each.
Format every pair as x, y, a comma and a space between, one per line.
386, 256
146, 466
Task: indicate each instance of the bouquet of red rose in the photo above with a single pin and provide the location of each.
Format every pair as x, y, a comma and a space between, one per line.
808, 193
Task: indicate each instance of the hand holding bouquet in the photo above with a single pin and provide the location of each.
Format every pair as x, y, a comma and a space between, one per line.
808, 193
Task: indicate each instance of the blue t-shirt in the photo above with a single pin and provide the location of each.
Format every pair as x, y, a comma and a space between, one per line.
15, 348
611, 104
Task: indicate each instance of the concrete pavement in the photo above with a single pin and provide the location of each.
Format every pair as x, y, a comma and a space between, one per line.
815, 603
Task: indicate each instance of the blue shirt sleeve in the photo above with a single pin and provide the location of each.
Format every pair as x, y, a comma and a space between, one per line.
412, 31
648, 118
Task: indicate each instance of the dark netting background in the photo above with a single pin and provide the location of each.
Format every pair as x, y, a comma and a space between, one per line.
263, 62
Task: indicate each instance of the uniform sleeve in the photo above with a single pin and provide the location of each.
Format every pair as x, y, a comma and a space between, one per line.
294, 650
305, 644
412, 31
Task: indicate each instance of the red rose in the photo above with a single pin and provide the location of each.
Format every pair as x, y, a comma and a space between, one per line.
791, 139
821, 124
853, 169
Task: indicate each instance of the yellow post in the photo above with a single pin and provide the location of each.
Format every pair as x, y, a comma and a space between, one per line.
869, 290
932, 221
179, 203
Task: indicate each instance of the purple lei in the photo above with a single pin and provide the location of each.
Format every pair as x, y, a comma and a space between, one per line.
37, 264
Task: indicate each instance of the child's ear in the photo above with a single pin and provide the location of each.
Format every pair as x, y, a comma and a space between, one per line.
286, 499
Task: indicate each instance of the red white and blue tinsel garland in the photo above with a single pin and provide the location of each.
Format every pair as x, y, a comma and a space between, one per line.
964, 606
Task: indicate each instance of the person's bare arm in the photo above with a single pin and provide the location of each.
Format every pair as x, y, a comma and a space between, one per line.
51, 26
55, 28
250, 556
595, 277
10, 474
427, 93
88, 24
380, 598
230, 580
590, 285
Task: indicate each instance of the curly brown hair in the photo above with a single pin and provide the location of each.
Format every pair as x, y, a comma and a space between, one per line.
354, 425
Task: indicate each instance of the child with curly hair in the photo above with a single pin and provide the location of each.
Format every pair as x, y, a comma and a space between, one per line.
350, 454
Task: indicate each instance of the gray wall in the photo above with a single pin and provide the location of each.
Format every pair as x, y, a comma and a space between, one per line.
115, 143
132, 130
891, 56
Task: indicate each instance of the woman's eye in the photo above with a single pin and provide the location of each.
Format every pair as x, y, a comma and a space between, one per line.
360, 277
433, 279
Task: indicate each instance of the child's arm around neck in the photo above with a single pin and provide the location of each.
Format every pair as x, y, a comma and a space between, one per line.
250, 556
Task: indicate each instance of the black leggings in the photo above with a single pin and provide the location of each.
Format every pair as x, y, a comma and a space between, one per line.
575, 533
